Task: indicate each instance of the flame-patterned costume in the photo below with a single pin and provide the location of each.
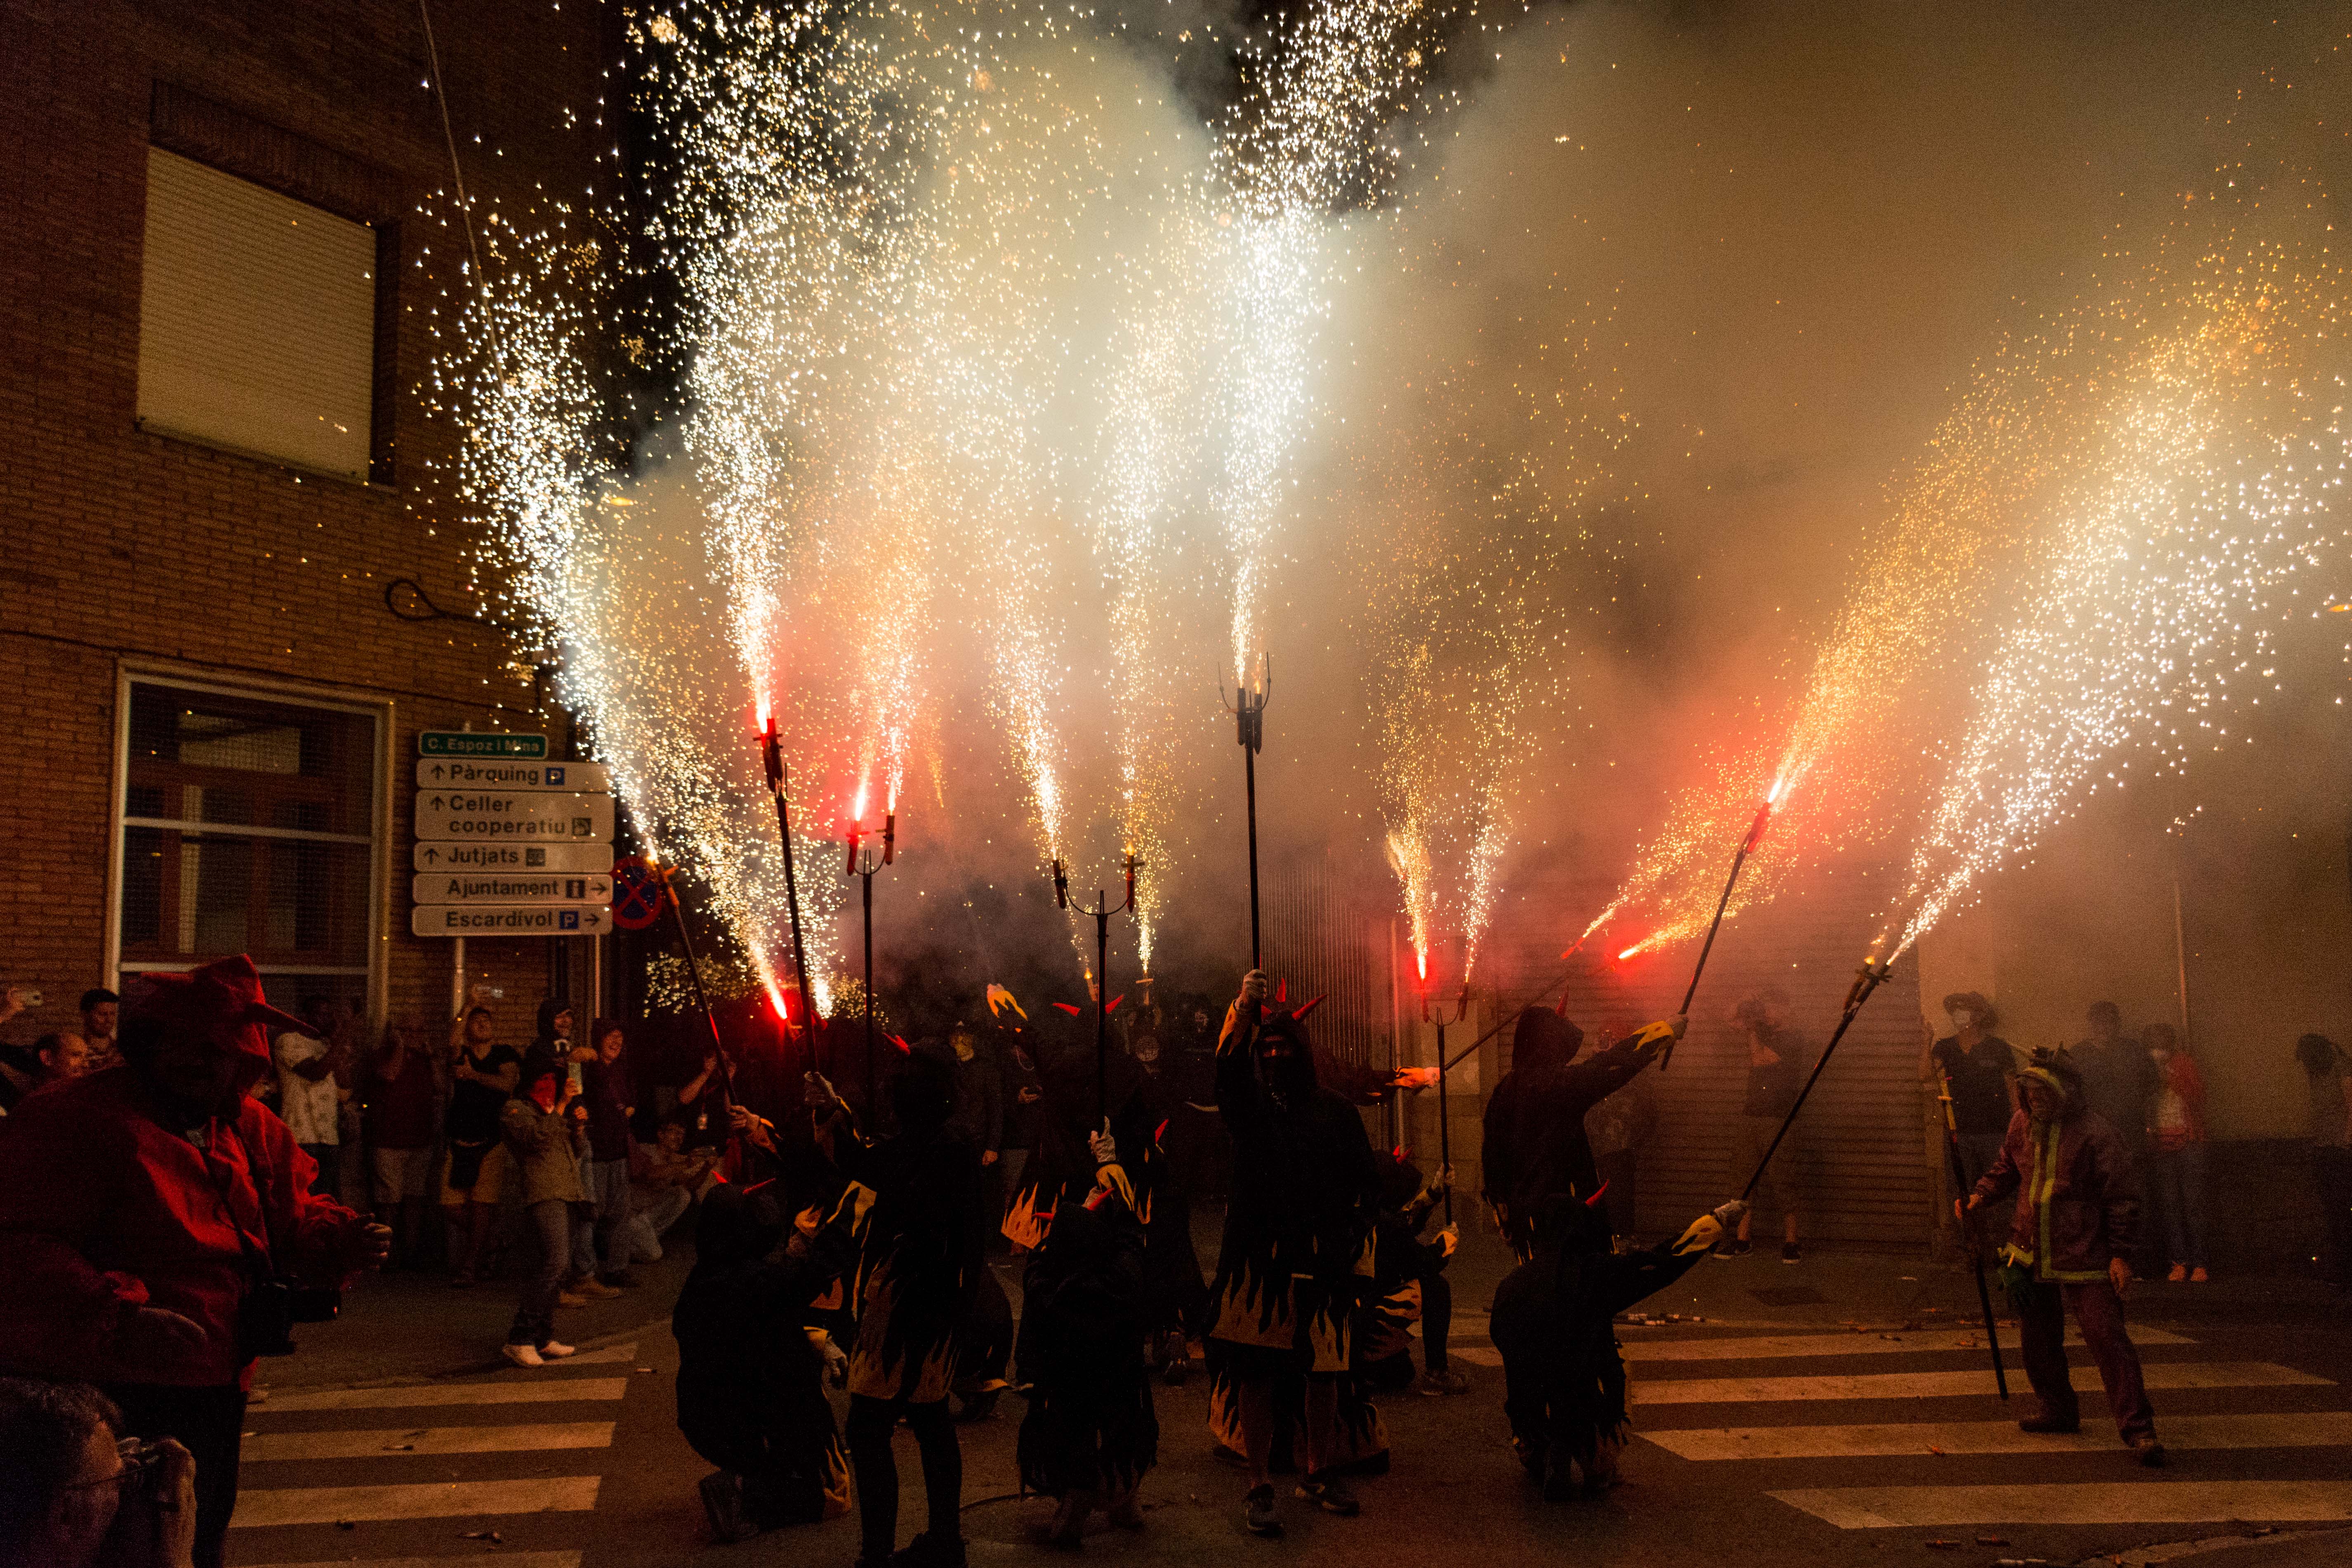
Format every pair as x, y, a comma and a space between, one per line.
920, 1267
751, 1391
1564, 1379
1535, 1147
1090, 1426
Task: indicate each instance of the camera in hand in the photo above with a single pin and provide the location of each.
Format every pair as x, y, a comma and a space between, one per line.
266, 1317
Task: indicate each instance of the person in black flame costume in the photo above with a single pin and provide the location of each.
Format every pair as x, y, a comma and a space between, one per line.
1535, 1147
918, 1277
1297, 1250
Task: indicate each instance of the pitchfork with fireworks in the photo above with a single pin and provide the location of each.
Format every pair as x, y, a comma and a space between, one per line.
1247, 705
1444, 1121
1102, 912
862, 865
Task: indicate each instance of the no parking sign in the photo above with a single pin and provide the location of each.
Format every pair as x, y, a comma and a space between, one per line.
639, 889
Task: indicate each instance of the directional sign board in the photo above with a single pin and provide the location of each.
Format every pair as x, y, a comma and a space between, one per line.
513, 817
509, 888
509, 920
574, 859
468, 743
465, 773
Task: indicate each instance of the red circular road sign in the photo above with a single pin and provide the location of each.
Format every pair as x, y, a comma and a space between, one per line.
638, 892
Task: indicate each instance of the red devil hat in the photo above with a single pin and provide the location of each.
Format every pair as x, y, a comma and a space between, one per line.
221, 1002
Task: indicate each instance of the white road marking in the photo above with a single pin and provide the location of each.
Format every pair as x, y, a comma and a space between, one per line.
534, 1391
2151, 1501
391, 1442
1950, 1385
1770, 1346
441, 1499
2305, 1429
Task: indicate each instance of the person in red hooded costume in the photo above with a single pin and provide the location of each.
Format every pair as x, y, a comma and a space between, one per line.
140, 1203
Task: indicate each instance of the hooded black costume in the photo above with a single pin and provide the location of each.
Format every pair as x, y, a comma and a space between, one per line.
1090, 1428
1564, 1381
750, 1392
1535, 1147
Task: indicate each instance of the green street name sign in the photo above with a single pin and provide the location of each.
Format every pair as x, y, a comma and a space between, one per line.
467, 744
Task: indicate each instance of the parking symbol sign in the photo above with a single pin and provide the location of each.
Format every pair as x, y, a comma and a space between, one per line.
568, 920
554, 776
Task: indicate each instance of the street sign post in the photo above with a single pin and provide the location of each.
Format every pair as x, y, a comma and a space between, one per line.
475, 743
437, 855
514, 817
463, 920
509, 888
466, 774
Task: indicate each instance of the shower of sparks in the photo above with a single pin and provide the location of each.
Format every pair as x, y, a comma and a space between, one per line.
2208, 487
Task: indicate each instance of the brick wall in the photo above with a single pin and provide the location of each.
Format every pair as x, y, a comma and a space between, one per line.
124, 546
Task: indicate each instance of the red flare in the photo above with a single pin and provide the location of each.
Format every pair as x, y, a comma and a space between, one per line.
904, 1048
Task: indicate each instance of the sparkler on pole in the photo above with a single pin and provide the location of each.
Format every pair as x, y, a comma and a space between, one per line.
862, 865
1959, 1185
1248, 708
1755, 834
1868, 979
1444, 1122
694, 973
1102, 912
772, 757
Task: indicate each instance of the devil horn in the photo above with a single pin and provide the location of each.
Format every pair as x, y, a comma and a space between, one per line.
1065, 1008
1298, 1015
1115, 1002
1594, 1201
1281, 990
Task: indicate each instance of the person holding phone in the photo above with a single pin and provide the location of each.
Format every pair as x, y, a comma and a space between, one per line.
75, 1493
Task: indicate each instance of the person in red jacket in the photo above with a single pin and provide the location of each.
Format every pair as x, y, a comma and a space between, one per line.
2076, 1219
2176, 1154
141, 1205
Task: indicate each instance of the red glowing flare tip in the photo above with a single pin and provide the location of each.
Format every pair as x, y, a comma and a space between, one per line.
1628, 952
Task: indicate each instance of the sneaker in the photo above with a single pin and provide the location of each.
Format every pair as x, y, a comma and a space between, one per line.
521, 1355
928, 1550
2199, 1277
570, 1299
593, 1289
1559, 1483
722, 1505
1257, 1511
1731, 1250
2148, 1450
624, 1281
1329, 1492
2179, 1273
2049, 1424
1434, 1385
1791, 1253
556, 1350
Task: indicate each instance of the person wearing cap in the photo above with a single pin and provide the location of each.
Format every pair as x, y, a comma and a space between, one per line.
2074, 1224
140, 1206
1976, 1067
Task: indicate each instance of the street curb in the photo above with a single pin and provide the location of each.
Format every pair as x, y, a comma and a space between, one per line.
2171, 1551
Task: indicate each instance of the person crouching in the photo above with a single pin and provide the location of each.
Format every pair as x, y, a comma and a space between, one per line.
750, 1374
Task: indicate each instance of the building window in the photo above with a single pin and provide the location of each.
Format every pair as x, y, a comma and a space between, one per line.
248, 826
256, 320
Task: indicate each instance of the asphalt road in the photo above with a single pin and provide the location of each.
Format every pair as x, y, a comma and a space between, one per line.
1833, 1412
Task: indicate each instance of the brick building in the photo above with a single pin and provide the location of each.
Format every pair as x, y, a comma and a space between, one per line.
224, 251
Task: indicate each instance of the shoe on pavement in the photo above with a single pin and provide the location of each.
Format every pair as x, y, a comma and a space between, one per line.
722, 1505
927, 1550
595, 1289
1791, 1253
2049, 1424
1330, 1491
521, 1355
2179, 1273
1731, 1250
1434, 1384
1068, 1531
623, 1280
2199, 1277
556, 1350
570, 1299
1559, 1484
2148, 1450
1257, 1511
1127, 1511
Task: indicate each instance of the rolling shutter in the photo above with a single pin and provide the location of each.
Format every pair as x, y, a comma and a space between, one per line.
256, 323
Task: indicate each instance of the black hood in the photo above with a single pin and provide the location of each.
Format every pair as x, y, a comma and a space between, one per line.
737, 1226
1543, 1040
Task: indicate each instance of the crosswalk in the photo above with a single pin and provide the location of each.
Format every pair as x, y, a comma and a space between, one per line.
2254, 1441
354, 1457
